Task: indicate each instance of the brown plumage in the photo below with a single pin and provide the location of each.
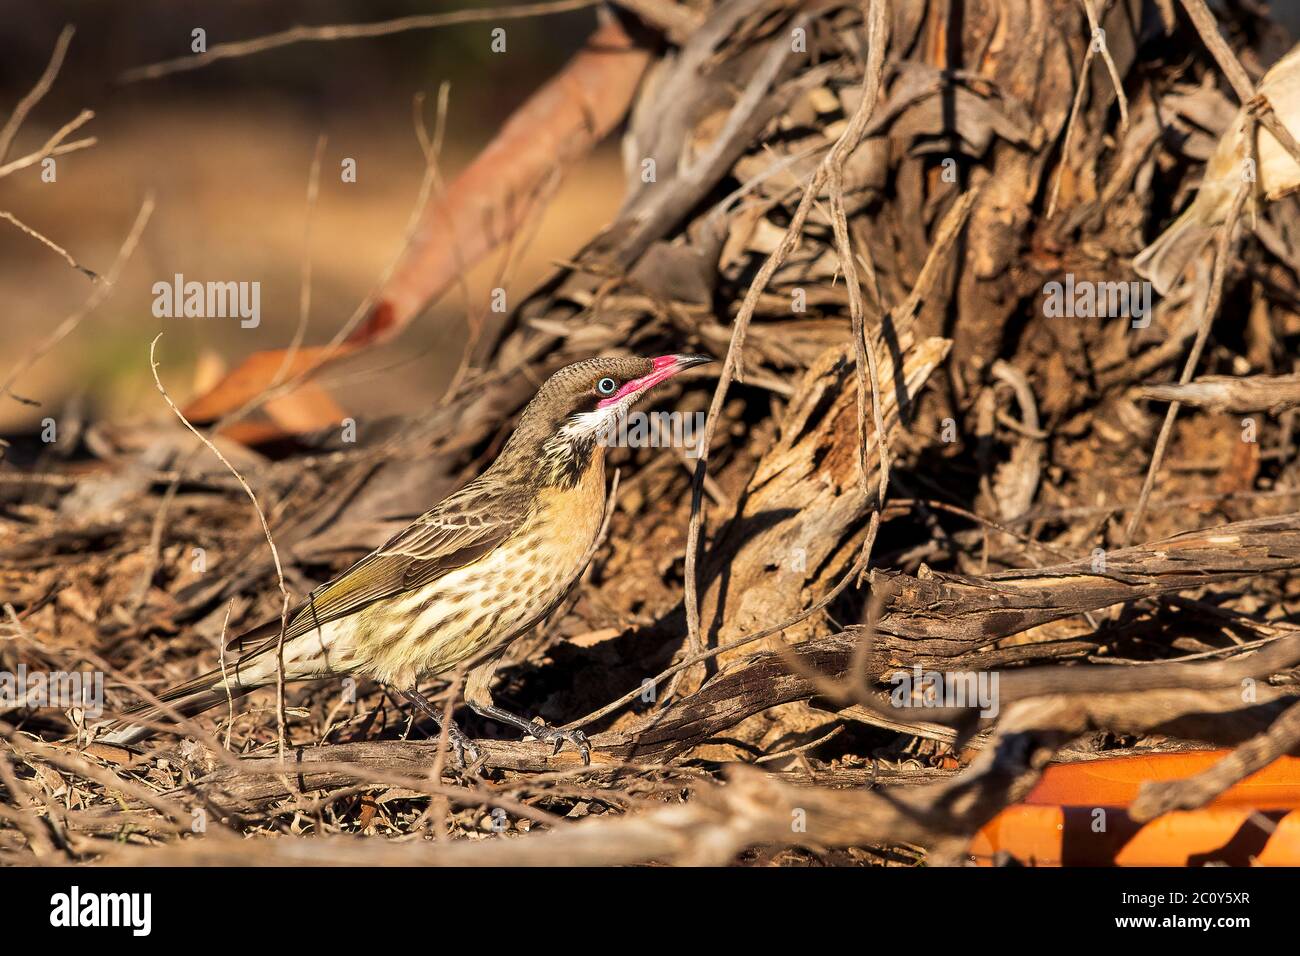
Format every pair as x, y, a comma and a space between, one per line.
464, 579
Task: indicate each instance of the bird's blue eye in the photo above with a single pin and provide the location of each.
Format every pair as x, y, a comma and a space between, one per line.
606, 386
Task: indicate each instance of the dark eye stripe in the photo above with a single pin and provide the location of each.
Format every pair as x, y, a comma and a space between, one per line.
606, 386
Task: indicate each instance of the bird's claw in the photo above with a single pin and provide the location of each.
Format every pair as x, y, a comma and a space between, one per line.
548, 734
464, 752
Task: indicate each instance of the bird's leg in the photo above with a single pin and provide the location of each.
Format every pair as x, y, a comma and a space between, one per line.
479, 698
461, 744
536, 728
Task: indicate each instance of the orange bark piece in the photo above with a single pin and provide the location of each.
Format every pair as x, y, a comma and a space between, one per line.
307, 408
254, 376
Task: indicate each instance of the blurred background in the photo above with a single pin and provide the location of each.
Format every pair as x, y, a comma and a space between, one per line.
227, 150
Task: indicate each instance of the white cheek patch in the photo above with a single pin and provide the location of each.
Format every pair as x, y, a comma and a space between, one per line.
601, 423
584, 424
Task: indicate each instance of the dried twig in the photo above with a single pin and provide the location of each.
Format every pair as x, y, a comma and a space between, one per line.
353, 31
266, 530
1250, 393
36, 93
50, 244
55, 145
877, 15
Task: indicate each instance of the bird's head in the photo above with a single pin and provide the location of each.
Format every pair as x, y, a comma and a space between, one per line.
580, 403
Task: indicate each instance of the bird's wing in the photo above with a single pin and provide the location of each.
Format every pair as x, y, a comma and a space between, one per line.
457, 532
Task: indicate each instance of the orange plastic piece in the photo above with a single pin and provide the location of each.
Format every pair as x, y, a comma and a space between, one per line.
1077, 816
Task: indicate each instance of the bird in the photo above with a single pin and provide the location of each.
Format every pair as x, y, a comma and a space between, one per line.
463, 580
1276, 175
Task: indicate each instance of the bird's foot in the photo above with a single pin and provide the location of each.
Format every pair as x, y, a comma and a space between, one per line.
548, 734
463, 750
461, 746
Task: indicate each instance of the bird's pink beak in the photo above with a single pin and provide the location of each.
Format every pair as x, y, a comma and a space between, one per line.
664, 368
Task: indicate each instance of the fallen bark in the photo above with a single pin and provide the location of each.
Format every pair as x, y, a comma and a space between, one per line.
941, 620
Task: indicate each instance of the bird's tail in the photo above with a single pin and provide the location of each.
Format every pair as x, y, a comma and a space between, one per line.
310, 656
1164, 260
187, 699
